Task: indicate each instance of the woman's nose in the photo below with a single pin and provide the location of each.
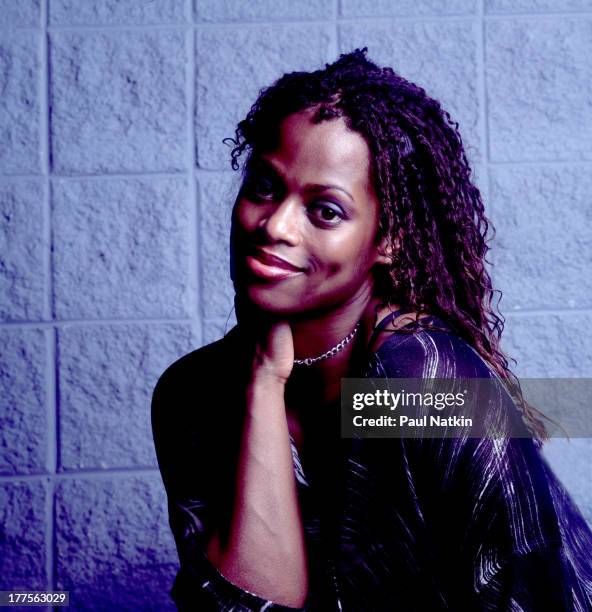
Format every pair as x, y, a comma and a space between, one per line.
282, 223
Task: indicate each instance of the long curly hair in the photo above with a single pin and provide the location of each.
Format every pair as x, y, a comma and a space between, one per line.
431, 211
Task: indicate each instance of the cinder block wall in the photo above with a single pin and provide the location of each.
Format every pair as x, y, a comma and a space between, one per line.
115, 194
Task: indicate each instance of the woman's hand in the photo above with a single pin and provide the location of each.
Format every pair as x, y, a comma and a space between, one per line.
274, 350
270, 339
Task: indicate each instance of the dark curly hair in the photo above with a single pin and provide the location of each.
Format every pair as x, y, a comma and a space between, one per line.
431, 210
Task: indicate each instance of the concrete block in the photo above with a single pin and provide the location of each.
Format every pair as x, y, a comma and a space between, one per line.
115, 550
106, 377
543, 244
535, 6
439, 57
396, 8
121, 247
234, 64
23, 417
19, 102
268, 10
22, 562
118, 101
549, 345
21, 14
530, 65
99, 12
23, 246
217, 193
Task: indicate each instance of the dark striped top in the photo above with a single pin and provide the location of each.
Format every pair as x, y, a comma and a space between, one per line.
400, 524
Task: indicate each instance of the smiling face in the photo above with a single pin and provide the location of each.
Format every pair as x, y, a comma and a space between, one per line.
310, 202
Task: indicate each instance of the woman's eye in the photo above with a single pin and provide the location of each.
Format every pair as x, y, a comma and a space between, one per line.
259, 187
327, 213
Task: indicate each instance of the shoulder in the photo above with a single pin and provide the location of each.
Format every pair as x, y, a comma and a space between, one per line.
428, 353
193, 366
192, 376
182, 414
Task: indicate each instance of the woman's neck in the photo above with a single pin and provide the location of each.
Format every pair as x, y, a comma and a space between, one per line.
313, 337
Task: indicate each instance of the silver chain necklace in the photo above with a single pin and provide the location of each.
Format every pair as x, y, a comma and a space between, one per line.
333, 351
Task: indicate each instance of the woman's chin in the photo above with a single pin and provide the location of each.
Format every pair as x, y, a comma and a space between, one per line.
268, 295
274, 304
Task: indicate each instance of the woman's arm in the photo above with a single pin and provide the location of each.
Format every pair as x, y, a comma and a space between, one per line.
265, 552
184, 442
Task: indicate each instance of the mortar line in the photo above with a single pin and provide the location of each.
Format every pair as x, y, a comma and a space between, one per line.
196, 267
87, 473
49, 333
337, 13
362, 19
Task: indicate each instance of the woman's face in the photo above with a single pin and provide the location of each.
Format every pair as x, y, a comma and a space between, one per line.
310, 202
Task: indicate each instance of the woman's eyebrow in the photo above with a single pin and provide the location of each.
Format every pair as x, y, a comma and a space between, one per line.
318, 188
311, 187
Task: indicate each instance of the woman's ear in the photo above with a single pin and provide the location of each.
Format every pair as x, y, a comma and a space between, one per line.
385, 251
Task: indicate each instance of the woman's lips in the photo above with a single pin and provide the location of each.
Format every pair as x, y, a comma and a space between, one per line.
269, 267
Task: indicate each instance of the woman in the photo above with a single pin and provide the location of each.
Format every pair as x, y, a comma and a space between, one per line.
357, 249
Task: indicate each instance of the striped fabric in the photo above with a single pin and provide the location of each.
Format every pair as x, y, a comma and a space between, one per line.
398, 524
